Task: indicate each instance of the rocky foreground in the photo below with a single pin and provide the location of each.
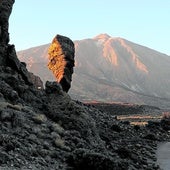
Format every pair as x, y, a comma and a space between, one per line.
46, 129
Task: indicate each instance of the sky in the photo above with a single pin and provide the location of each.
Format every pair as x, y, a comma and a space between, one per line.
145, 22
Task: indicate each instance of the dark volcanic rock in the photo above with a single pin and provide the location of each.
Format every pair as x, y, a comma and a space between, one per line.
165, 124
13, 62
61, 60
5, 11
36, 80
86, 159
8, 55
125, 108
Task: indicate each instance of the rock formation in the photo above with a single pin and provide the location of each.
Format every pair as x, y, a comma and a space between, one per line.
8, 55
61, 60
5, 11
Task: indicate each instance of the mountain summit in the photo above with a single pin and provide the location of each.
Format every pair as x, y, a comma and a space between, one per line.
111, 69
102, 37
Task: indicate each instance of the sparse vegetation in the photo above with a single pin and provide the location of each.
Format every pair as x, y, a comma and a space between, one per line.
40, 118
59, 143
57, 128
4, 105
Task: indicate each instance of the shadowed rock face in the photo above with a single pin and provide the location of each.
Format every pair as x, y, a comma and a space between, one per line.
61, 60
8, 55
5, 11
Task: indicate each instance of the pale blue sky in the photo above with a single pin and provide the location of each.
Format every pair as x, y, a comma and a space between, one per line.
36, 22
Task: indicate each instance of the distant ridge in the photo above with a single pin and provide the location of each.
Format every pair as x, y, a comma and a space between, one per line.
111, 69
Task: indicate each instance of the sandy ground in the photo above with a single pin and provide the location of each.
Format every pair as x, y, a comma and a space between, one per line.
163, 156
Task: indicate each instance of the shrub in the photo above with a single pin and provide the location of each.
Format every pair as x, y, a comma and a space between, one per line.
57, 128
40, 118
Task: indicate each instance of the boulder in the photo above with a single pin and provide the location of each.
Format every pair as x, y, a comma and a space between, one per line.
61, 60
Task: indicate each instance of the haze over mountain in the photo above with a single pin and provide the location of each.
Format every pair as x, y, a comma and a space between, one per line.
110, 69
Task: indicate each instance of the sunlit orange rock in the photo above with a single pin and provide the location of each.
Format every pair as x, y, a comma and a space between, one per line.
61, 60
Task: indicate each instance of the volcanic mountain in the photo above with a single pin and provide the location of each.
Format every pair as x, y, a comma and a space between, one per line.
110, 69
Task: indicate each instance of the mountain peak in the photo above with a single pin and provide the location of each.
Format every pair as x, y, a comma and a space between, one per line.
102, 36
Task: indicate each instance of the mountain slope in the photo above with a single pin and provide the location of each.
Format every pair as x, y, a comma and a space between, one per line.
110, 69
